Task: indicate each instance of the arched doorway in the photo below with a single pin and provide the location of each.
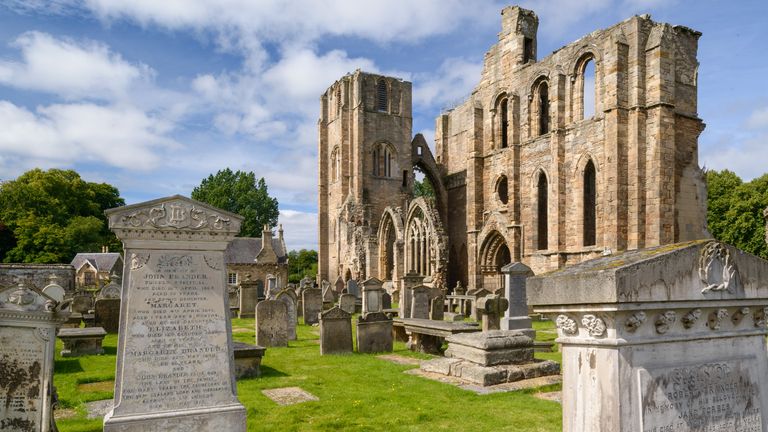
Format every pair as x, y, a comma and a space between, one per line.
494, 254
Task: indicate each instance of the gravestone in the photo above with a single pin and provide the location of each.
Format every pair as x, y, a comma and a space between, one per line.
306, 282
82, 341
409, 281
372, 296
312, 305
272, 288
339, 285
107, 314
516, 316
329, 297
492, 307
386, 301
459, 289
233, 292
335, 332
271, 324
174, 357
55, 291
353, 288
437, 308
374, 333
28, 323
82, 303
670, 338
287, 297
474, 312
420, 305
347, 303
396, 297
249, 296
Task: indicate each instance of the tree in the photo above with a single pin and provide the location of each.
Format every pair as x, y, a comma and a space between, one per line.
302, 264
423, 187
239, 192
49, 216
735, 210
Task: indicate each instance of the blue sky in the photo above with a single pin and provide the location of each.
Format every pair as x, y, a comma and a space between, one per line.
153, 96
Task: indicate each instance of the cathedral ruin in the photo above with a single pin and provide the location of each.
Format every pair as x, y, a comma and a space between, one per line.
539, 164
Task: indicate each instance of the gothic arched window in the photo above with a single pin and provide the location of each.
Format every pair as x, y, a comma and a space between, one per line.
590, 204
541, 213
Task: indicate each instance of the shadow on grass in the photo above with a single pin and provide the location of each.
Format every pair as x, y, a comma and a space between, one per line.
68, 366
267, 371
110, 350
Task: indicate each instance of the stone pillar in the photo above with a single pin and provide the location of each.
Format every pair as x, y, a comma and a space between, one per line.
28, 323
671, 338
516, 316
492, 307
248, 299
175, 369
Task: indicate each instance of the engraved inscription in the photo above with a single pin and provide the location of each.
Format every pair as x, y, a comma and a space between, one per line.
176, 339
717, 396
21, 398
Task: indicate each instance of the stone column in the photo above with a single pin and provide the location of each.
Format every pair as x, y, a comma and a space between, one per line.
671, 338
248, 299
175, 367
516, 316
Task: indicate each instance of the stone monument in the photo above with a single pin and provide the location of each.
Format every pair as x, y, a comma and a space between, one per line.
353, 288
492, 307
670, 338
372, 296
409, 281
420, 302
287, 297
107, 307
312, 305
516, 316
249, 296
28, 323
335, 332
347, 303
272, 324
374, 333
175, 368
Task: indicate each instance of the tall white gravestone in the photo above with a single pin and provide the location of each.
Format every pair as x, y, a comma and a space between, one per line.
670, 338
175, 368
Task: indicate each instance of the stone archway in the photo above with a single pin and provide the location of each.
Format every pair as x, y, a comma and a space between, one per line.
426, 244
390, 245
494, 254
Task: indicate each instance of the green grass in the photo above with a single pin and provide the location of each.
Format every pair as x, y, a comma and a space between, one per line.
356, 392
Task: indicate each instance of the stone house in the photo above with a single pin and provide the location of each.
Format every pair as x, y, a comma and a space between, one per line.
553, 161
94, 270
257, 259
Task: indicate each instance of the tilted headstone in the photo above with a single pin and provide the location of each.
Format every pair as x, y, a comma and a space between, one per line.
347, 303
420, 304
437, 308
516, 316
386, 301
353, 288
372, 296
272, 324
312, 304
374, 333
28, 323
249, 296
287, 297
669, 338
492, 307
335, 332
328, 295
174, 365
56, 291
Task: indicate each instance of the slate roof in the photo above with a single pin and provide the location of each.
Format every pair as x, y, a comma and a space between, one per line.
101, 261
243, 250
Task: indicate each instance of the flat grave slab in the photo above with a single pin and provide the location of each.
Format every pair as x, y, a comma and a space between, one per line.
395, 358
289, 395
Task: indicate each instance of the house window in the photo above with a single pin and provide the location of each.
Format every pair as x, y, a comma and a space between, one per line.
590, 204
232, 278
89, 279
381, 96
542, 219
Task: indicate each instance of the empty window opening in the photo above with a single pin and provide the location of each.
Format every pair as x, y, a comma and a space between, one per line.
527, 50
542, 222
381, 95
502, 190
422, 186
383, 160
590, 205
504, 124
405, 178
588, 92
543, 108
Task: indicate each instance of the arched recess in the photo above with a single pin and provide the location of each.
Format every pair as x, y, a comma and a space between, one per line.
587, 178
426, 244
539, 107
384, 160
390, 243
496, 242
540, 209
421, 157
584, 89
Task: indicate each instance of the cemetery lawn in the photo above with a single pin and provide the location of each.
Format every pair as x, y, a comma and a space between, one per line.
356, 391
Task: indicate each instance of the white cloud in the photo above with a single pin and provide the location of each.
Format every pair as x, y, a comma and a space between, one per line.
71, 69
758, 119
452, 83
119, 136
300, 229
745, 156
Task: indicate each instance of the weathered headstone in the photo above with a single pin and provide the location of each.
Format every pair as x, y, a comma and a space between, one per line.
107, 314
339, 285
312, 305
347, 303
272, 288
409, 281
516, 316
437, 308
420, 304
372, 296
28, 322
287, 297
670, 338
459, 289
306, 282
335, 332
329, 297
396, 297
374, 333
56, 291
233, 293
249, 296
271, 324
492, 307
353, 288
174, 358
82, 303
386, 300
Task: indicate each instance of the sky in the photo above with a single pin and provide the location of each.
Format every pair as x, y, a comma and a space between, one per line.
153, 96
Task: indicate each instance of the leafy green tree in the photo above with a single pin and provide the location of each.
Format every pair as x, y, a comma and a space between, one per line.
49, 216
423, 187
302, 264
735, 210
239, 192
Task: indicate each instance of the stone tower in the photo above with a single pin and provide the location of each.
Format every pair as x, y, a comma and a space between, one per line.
364, 158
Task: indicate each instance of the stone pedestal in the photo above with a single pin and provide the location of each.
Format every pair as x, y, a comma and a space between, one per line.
28, 323
248, 299
175, 367
516, 316
82, 341
670, 338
